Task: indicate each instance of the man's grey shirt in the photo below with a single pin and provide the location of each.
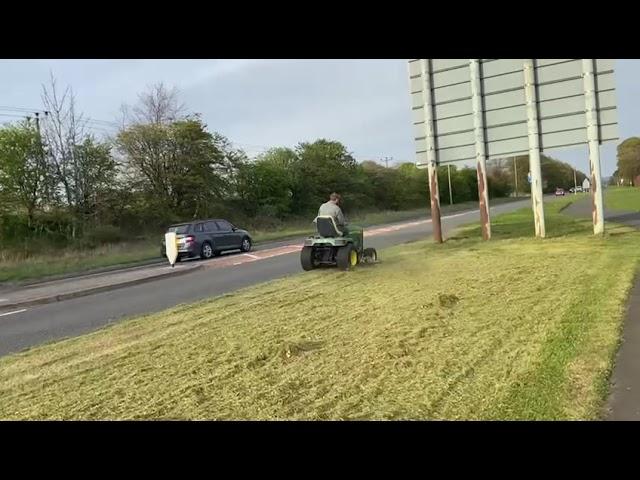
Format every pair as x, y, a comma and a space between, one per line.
331, 209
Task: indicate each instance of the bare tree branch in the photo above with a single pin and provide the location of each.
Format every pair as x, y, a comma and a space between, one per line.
157, 106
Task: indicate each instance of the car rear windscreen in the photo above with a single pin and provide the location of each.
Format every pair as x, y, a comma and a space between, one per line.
179, 229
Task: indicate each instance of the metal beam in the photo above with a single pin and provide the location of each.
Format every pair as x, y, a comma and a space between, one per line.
533, 131
481, 151
593, 140
432, 167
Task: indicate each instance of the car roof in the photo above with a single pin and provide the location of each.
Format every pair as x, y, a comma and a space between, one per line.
197, 221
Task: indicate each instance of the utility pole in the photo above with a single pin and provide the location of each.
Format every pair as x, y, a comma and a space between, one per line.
386, 161
40, 142
575, 183
515, 173
450, 192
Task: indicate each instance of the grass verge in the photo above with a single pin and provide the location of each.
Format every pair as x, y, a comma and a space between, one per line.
515, 328
625, 199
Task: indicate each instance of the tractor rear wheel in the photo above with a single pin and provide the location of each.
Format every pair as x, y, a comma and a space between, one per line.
306, 258
347, 257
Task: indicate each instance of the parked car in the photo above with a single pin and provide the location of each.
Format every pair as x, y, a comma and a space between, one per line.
559, 192
208, 238
579, 189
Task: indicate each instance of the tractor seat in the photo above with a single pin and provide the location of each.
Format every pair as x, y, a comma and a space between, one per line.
327, 227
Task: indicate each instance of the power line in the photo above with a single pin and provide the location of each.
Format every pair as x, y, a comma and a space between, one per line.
14, 115
20, 109
36, 110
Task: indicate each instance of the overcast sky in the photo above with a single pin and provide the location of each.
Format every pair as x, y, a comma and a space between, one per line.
263, 103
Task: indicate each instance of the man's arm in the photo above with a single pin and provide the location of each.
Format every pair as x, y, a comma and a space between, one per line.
340, 216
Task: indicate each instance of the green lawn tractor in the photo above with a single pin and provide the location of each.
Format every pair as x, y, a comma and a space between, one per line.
330, 247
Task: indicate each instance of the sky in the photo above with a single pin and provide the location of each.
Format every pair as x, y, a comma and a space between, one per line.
259, 104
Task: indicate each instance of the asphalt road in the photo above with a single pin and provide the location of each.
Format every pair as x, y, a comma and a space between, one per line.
69, 318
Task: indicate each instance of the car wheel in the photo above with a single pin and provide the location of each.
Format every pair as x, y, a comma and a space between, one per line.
246, 244
206, 251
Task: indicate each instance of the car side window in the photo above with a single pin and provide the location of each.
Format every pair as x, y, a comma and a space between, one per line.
224, 225
211, 227
199, 228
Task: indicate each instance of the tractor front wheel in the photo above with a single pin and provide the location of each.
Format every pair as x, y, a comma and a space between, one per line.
306, 258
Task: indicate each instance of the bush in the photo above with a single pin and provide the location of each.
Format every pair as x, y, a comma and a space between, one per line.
102, 235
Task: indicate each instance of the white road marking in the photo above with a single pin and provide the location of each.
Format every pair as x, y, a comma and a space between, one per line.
3, 299
255, 257
12, 313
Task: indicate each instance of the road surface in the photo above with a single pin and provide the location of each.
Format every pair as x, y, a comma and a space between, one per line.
28, 327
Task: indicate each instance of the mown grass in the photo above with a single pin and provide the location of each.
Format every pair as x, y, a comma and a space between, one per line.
515, 328
625, 199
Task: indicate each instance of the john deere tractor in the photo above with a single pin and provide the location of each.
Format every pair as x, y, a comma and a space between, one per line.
330, 247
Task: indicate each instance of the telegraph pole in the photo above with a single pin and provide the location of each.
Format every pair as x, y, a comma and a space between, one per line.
515, 173
450, 192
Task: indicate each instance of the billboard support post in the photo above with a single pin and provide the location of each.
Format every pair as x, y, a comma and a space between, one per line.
481, 152
432, 165
533, 130
593, 140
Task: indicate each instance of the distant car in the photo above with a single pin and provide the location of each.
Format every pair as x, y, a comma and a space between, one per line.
208, 238
559, 192
572, 190
579, 189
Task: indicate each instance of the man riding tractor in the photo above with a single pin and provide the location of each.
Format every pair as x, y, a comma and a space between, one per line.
335, 243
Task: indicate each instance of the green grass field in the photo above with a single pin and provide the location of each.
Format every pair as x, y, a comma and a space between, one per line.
625, 199
514, 328
14, 267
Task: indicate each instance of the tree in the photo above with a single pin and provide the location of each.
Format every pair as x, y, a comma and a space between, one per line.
81, 166
23, 173
415, 191
629, 159
158, 105
499, 181
97, 170
181, 167
322, 167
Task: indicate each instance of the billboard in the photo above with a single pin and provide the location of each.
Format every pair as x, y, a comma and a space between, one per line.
560, 104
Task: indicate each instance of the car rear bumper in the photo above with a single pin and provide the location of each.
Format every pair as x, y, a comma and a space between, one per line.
184, 250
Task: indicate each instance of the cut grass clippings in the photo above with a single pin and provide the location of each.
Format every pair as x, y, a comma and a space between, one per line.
514, 328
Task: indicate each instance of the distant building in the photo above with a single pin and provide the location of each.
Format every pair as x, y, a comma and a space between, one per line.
586, 184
